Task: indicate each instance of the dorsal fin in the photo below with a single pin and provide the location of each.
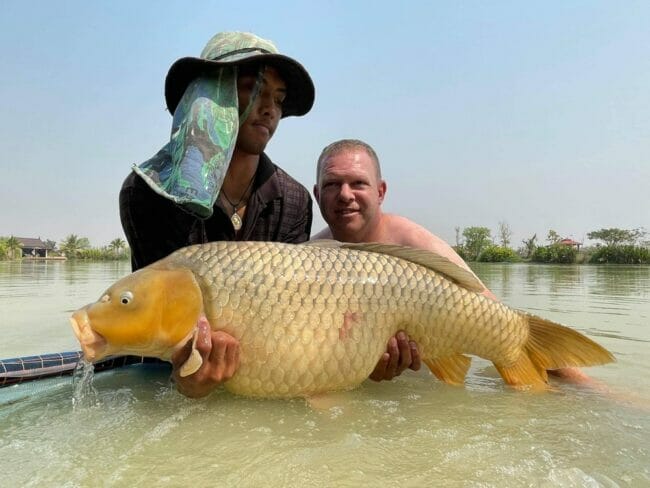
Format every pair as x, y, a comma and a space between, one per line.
428, 259
323, 243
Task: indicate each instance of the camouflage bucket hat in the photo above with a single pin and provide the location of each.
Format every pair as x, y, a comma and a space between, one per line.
236, 48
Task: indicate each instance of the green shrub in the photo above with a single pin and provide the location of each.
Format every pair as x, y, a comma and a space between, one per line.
100, 254
498, 254
555, 253
621, 255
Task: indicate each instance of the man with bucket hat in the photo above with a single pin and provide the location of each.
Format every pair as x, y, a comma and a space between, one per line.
212, 180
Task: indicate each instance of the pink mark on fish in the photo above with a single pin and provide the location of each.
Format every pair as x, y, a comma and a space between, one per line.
349, 319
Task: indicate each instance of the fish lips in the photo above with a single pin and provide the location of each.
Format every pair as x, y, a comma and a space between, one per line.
93, 345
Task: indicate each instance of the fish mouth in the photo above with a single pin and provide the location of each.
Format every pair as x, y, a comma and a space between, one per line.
93, 345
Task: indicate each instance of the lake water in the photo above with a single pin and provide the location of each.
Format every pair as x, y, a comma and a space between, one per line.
414, 431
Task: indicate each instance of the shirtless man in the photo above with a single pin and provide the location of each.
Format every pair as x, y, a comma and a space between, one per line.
349, 190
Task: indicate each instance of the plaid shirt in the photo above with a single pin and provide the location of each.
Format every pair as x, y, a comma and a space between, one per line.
279, 209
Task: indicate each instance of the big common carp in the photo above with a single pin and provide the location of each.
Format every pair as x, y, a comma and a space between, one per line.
317, 317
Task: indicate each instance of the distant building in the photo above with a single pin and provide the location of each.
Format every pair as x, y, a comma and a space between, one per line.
33, 247
570, 242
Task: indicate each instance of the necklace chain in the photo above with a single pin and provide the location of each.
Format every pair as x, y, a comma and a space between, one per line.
243, 196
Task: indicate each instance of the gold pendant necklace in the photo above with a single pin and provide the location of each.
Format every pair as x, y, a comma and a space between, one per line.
235, 219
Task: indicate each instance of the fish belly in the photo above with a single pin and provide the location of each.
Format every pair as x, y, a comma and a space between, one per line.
311, 320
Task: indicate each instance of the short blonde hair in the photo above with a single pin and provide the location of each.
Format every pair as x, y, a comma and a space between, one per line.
346, 145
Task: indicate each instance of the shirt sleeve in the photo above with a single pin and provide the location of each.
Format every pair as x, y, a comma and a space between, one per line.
148, 223
298, 228
301, 230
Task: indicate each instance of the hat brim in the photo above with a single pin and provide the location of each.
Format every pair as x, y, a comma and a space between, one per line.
300, 88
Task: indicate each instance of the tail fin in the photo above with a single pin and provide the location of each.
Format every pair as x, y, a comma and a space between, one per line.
551, 346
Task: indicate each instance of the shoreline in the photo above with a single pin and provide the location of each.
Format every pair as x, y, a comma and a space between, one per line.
39, 258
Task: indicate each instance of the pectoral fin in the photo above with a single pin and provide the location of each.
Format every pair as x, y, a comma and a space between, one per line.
193, 362
451, 369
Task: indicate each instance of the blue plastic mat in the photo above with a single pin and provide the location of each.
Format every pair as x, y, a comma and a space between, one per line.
30, 368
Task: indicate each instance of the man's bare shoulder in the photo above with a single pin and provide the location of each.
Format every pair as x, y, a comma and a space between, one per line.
405, 232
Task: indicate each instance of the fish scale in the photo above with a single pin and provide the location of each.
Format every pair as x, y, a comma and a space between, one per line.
316, 318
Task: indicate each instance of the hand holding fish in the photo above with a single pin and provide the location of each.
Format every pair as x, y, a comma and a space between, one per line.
401, 353
220, 354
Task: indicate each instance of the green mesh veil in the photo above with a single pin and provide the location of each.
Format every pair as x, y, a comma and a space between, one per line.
191, 167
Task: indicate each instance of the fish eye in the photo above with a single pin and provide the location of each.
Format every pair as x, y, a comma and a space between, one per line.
126, 297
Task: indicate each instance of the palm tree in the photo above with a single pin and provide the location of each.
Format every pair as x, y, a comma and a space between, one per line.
529, 245
50, 244
117, 245
14, 247
72, 245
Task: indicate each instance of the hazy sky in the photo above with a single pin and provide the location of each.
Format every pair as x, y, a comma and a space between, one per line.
532, 113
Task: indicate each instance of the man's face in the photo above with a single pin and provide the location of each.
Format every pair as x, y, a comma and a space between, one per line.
260, 125
349, 194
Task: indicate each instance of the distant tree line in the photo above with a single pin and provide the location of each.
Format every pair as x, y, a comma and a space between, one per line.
75, 247
616, 246
72, 247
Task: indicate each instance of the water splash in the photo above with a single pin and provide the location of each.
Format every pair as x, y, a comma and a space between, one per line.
84, 394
